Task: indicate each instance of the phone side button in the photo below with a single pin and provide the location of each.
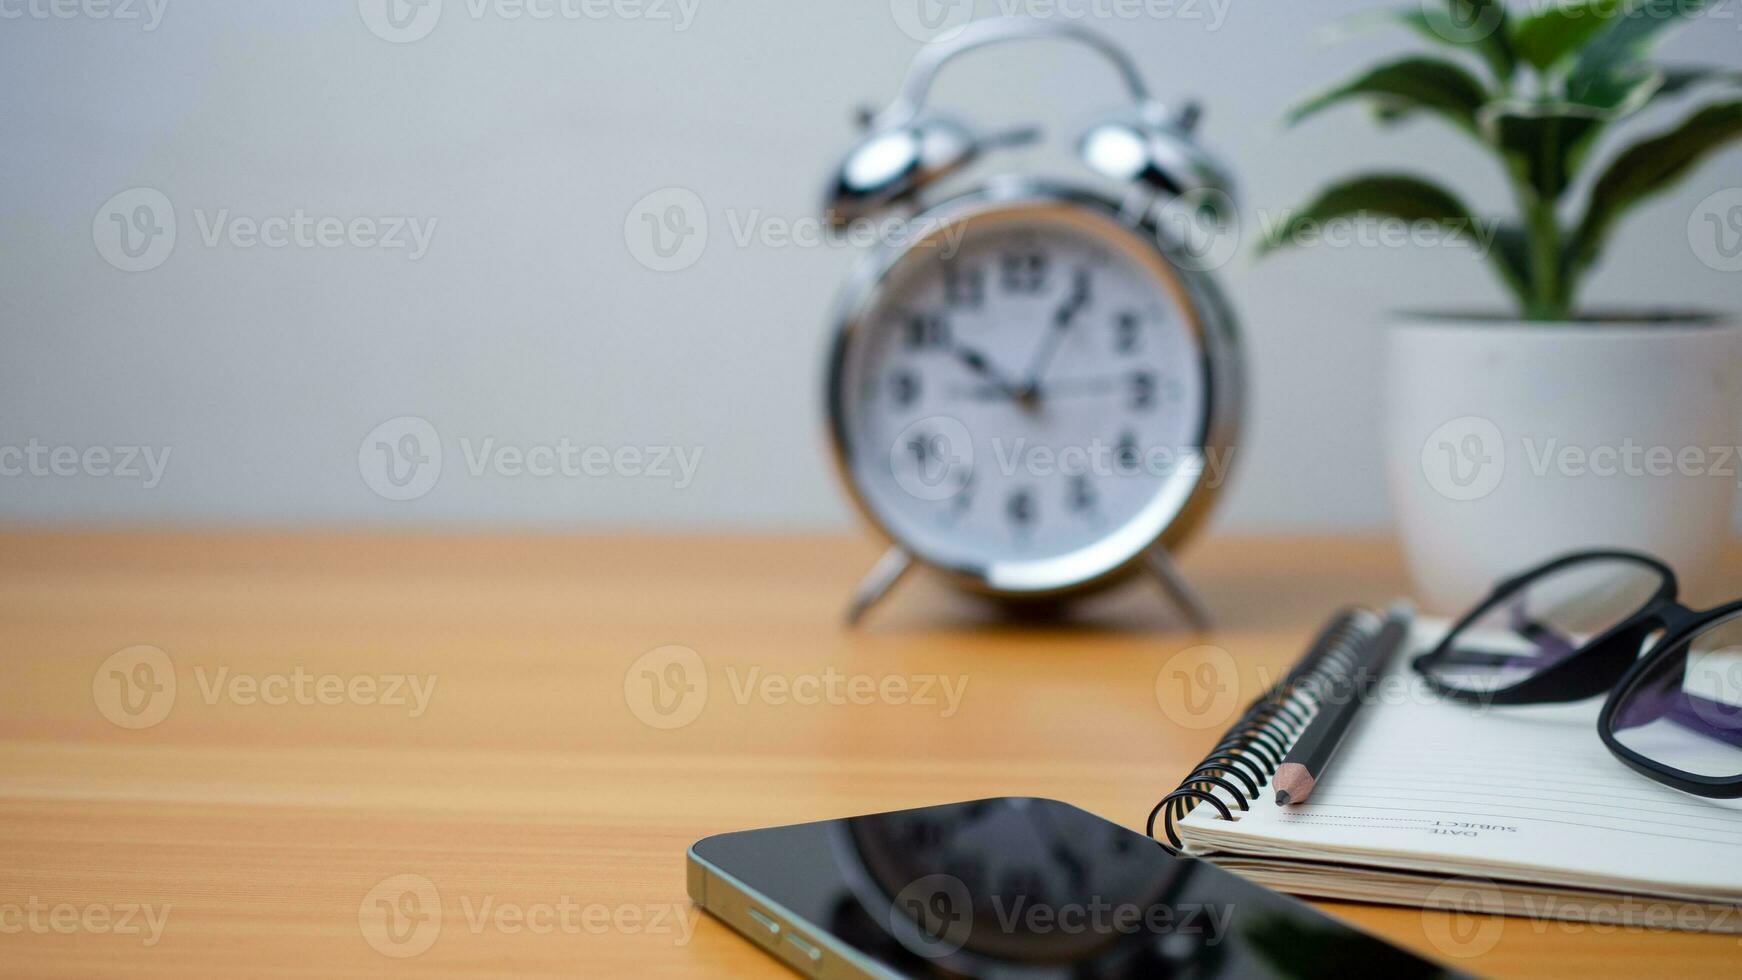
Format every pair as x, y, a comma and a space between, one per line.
809, 949
772, 926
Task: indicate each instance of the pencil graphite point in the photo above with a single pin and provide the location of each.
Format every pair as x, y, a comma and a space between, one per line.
1293, 783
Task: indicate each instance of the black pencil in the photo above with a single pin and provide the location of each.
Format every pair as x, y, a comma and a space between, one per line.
1306, 759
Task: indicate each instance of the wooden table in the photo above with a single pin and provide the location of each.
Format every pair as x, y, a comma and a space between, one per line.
292, 787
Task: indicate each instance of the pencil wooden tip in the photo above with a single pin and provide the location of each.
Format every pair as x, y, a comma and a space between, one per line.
1293, 783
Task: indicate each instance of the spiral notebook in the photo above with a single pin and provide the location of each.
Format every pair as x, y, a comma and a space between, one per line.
1511, 810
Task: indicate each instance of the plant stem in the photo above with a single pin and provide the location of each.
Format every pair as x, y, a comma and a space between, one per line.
1546, 299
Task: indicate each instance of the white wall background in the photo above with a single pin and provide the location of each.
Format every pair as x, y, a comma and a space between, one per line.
529, 320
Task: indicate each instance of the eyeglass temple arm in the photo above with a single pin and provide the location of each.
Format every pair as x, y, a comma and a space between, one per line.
1664, 698
1551, 647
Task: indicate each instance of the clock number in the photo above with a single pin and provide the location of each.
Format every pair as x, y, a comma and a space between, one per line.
927, 331
904, 388
1020, 509
1142, 391
920, 447
1082, 495
963, 500
964, 288
1126, 452
1125, 333
1022, 272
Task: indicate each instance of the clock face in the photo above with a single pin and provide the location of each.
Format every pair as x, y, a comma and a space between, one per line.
1023, 396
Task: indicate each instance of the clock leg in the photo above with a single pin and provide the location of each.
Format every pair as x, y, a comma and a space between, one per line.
874, 586
1161, 565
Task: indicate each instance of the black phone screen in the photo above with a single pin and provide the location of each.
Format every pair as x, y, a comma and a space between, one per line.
1037, 889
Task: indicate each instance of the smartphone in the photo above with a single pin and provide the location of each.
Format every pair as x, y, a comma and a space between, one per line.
1014, 887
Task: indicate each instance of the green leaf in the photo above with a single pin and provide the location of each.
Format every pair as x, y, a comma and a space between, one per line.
1485, 24
1408, 85
1618, 92
1387, 195
1411, 199
1481, 33
1618, 48
1553, 33
1678, 79
1622, 94
1650, 167
1544, 144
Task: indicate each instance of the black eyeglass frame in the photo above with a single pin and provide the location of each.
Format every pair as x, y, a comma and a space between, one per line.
1609, 663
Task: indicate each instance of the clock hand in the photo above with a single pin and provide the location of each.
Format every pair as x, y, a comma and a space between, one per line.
1080, 386
1061, 322
1062, 388
978, 363
989, 393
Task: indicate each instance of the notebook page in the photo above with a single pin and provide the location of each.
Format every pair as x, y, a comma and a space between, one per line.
1527, 792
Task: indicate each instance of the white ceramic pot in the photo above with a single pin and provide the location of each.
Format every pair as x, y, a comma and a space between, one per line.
1510, 443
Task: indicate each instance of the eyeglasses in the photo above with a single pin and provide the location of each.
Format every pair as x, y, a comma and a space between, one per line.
1600, 622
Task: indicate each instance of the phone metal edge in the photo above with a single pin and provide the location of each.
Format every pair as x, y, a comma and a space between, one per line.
840, 960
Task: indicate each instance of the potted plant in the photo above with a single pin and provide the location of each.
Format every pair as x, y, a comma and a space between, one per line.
1514, 437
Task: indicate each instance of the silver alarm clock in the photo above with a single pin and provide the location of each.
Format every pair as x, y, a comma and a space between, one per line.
1036, 392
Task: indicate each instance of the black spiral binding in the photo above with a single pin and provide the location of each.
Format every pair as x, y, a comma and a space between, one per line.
1250, 750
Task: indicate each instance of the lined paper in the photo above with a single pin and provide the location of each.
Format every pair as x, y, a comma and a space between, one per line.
1523, 793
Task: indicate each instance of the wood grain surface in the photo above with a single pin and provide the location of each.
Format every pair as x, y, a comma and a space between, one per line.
354, 718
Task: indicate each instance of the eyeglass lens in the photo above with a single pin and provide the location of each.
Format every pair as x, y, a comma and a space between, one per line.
1543, 622
1685, 710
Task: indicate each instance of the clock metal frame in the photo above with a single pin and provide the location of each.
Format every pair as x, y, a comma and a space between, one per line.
1181, 504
